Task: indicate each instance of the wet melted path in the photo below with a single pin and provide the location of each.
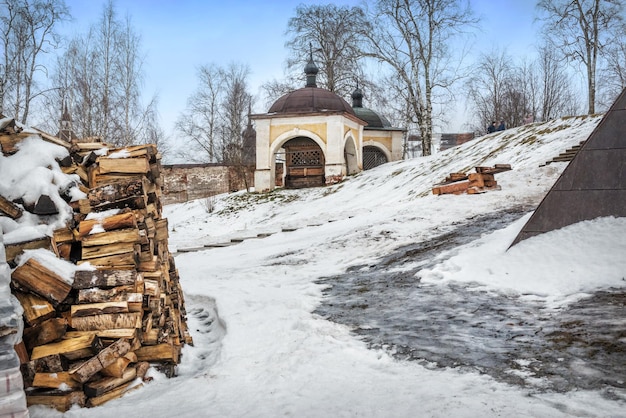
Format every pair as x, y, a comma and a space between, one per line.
515, 339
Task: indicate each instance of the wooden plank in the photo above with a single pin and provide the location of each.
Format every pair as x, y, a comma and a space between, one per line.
61, 403
118, 221
58, 380
88, 309
36, 308
37, 278
103, 278
104, 358
128, 235
9, 208
13, 250
137, 165
456, 187
107, 321
72, 349
48, 331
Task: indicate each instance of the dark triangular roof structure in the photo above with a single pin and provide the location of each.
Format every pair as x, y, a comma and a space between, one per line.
593, 185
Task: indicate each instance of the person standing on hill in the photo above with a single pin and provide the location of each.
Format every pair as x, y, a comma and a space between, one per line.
492, 127
501, 127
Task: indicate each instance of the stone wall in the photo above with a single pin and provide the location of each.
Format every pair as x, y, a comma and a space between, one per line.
183, 182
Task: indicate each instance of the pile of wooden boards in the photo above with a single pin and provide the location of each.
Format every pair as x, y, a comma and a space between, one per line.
479, 182
92, 338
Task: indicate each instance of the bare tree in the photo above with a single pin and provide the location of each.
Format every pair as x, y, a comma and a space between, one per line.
582, 29
489, 86
556, 95
334, 33
413, 38
614, 71
216, 115
100, 76
27, 29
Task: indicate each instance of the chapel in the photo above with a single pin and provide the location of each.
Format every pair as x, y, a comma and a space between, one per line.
312, 137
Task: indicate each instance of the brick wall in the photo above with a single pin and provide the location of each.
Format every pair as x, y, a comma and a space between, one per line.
183, 182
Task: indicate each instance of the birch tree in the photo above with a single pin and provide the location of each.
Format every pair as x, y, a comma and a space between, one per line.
413, 37
215, 116
27, 32
581, 30
100, 76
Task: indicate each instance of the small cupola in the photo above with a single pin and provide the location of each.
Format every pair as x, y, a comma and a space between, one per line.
311, 70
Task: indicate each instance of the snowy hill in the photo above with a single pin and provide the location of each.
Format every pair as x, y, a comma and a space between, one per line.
260, 309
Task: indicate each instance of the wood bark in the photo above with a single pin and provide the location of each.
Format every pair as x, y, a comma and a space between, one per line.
107, 321
103, 278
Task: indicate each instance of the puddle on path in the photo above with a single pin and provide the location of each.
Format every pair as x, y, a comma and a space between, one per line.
513, 339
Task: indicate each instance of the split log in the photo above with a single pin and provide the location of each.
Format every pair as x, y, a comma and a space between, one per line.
99, 251
107, 321
104, 358
48, 331
126, 294
162, 233
36, 308
9, 208
59, 380
104, 334
37, 278
142, 369
9, 143
129, 235
116, 192
13, 250
52, 363
124, 165
112, 394
102, 386
159, 352
119, 366
104, 278
63, 235
88, 309
119, 221
72, 349
125, 261
61, 403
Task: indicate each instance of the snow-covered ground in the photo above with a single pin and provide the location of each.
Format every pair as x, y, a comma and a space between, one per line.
260, 350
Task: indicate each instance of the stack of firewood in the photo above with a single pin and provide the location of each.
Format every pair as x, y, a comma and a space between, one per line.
92, 338
479, 182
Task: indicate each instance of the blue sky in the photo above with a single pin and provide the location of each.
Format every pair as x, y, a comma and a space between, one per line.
179, 36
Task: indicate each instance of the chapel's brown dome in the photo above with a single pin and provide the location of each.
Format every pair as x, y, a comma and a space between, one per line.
311, 100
